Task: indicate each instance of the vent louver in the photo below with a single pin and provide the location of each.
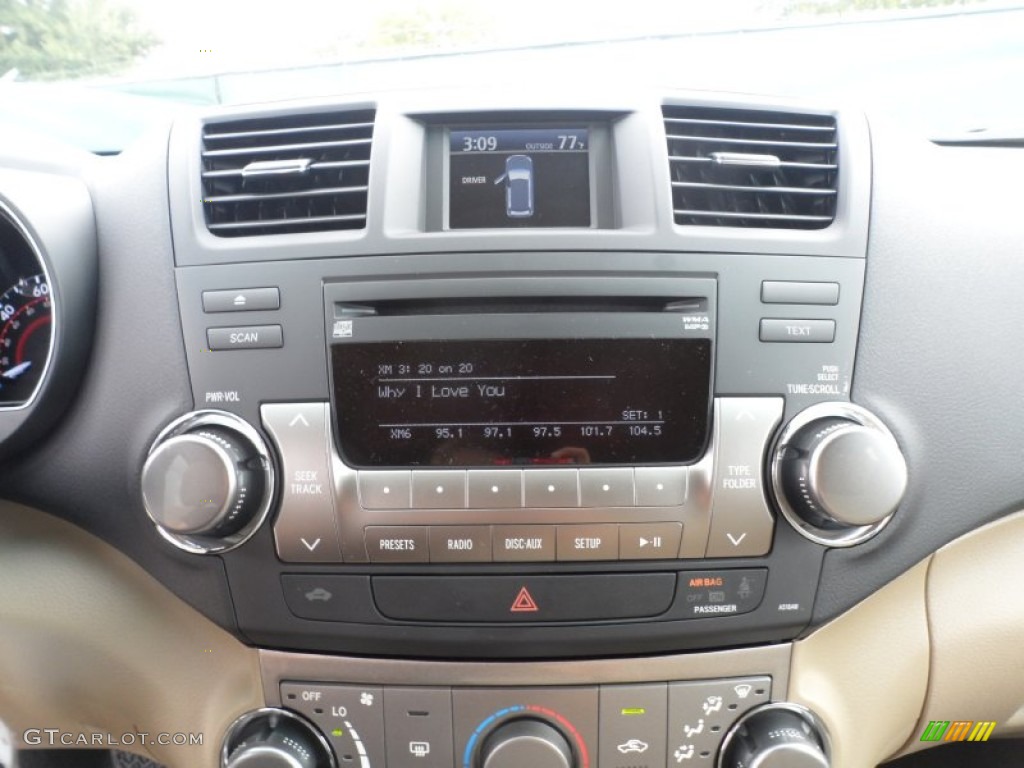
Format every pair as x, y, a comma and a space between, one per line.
752, 168
293, 173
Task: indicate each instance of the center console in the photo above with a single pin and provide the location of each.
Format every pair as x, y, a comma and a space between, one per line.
513, 423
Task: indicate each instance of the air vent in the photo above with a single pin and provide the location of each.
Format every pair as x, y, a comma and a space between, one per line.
295, 173
752, 168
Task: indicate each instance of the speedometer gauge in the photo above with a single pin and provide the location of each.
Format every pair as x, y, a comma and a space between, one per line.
25, 319
47, 299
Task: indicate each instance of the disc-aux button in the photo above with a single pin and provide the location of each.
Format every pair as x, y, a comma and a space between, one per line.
523, 543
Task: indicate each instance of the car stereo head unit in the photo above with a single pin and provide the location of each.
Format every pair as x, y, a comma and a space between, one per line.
479, 414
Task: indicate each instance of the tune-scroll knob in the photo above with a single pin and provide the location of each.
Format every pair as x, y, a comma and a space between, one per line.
526, 742
776, 736
274, 738
838, 473
207, 482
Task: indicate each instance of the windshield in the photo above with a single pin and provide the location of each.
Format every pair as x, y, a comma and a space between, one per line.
939, 66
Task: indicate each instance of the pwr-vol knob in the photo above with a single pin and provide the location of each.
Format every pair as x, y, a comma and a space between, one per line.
838, 474
208, 482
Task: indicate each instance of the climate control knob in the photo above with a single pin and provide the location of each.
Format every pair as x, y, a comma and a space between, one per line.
207, 482
274, 738
838, 473
527, 742
776, 736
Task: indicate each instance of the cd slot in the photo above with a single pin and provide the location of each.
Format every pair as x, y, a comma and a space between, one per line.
519, 305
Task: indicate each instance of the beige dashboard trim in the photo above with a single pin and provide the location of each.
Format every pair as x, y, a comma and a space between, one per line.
944, 641
866, 673
976, 620
91, 644
278, 666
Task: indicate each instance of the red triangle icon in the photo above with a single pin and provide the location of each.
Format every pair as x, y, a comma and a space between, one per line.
524, 602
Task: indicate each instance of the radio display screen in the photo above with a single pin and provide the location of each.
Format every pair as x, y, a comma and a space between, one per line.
519, 177
528, 402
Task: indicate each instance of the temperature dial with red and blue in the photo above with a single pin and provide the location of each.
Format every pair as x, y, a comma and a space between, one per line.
526, 736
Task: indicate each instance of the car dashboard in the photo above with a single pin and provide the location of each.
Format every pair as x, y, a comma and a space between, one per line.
432, 429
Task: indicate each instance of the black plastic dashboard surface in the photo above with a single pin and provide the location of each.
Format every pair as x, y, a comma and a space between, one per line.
934, 359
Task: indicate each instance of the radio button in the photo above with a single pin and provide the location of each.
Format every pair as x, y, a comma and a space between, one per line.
439, 489
523, 543
305, 530
649, 541
606, 487
460, 544
495, 489
741, 522
385, 489
588, 542
661, 486
397, 544
551, 488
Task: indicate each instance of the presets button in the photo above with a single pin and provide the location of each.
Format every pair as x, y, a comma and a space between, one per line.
397, 544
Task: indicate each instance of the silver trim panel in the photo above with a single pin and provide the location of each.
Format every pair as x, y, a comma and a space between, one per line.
278, 666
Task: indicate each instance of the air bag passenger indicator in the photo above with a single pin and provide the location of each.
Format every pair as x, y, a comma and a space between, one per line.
519, 177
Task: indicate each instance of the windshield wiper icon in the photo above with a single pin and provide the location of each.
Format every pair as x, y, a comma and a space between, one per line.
518, 180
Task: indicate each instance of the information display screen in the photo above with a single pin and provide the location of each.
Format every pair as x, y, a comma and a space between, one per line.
522, 402
519, 177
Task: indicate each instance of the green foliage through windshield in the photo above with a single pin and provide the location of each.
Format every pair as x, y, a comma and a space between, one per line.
160, 39
53, 39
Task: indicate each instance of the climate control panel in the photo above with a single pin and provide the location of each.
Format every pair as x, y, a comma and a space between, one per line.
643, 725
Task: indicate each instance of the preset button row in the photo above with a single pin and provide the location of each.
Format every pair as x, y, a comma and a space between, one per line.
522, 543
516, 488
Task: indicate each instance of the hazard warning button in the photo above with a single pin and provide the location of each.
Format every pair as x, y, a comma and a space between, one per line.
524, 602
493, 599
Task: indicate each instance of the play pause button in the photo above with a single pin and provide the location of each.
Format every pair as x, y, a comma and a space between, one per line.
649, 541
